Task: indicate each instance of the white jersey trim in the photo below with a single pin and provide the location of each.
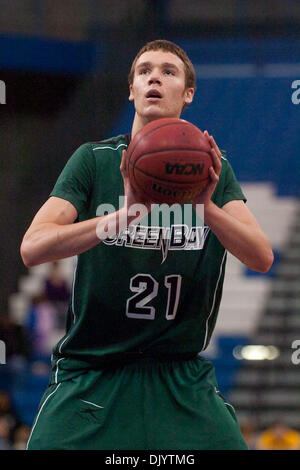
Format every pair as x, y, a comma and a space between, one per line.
36, 420
73, 290
111, 148
214, 300
74, 320
56, 372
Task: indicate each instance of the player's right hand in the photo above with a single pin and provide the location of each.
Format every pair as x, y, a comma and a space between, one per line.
132, 196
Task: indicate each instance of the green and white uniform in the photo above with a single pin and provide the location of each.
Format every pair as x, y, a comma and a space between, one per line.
143, 302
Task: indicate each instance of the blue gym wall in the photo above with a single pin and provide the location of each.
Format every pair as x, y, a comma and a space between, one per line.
244, 98
244, 95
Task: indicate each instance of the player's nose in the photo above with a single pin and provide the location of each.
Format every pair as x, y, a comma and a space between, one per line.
154, 78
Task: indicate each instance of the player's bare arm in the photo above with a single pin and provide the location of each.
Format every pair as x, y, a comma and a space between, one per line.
234, 224
53, 235
240, 233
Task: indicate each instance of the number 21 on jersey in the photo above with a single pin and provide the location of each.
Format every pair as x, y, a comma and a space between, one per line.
146, 289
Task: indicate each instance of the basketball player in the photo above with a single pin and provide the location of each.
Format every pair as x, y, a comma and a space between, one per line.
127, 374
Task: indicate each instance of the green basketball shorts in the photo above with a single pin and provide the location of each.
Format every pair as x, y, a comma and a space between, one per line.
145, 405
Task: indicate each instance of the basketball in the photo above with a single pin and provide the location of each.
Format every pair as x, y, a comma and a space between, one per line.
168, 161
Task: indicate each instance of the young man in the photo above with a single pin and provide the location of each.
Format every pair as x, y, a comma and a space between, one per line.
127, 374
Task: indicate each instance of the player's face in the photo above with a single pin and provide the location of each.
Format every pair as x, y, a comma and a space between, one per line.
158, 89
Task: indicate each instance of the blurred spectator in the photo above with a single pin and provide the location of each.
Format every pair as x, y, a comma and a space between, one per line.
5, 430
56, 286
7, 410
41, 324
17, 343
58, 293
15, 337
279, 437
47, 314
249, 431
20, 437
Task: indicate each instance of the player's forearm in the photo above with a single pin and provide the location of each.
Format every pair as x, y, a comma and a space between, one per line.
49, 241
248, 243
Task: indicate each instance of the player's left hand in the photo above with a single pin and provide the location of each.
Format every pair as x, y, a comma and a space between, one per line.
214, 173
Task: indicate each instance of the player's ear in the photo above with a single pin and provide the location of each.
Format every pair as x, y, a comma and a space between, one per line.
189, 95
131, 97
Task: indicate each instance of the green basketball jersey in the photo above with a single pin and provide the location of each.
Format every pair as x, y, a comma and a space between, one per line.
152, 289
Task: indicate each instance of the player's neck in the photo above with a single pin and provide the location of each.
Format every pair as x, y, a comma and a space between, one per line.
137, 124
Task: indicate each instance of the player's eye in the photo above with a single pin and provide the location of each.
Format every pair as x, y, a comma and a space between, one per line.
144, 71
169, 72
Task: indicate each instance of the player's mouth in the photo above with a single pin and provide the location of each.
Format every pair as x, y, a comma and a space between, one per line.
153, 96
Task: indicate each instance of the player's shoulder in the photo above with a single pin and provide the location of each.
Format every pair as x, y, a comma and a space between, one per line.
227, 171
119, 142
225, 162
89, 152
223, 155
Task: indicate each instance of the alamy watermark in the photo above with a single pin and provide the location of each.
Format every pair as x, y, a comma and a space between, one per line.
163, 215
164, 227
296, 94
2, 352
296, 354
2, 92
